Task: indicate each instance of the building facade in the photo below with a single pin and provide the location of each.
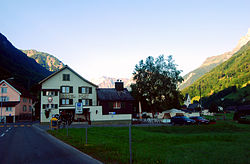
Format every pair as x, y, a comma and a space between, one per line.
16, 103
116, 101
62, 90
67, 92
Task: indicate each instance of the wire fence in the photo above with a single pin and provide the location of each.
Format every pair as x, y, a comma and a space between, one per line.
90, 134
131, 139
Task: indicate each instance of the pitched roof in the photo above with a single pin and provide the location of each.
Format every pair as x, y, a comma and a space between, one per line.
193, 106
8, 83
65, 67
18, 88
111, 94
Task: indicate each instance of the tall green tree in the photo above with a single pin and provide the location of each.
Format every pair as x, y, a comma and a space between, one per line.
156, 84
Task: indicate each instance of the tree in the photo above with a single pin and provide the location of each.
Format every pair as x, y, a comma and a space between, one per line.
156, 84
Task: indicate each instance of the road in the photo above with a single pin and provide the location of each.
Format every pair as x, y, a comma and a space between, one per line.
27, 144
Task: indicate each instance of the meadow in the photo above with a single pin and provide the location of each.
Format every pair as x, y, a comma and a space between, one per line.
223, 142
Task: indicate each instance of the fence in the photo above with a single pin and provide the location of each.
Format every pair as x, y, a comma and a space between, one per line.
85, 137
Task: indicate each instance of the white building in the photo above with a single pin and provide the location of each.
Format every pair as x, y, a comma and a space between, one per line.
63, 89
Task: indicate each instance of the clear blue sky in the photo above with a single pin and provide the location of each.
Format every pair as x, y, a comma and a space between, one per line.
107, 38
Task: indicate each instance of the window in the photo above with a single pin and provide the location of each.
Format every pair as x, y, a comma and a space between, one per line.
85, 90
3, 90
30, 108
86, 102
66, 89
50, 93
8, 109
117, 105
66, 77
54, 106
24, 100
45, 106
4, 98
24, 108
66, 101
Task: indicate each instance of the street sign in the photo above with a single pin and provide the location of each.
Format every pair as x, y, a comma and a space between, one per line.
79, 108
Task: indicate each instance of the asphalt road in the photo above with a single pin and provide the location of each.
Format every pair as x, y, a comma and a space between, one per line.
27, 144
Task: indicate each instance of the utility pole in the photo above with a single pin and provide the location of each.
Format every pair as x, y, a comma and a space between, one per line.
130, 145
200, 95
1, 104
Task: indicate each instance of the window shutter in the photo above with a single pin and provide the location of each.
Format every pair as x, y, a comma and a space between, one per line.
61, 89
56, 106
44, 93
44, 106
79, 89
56, 93
60, 101
90, 90
71, 90
70, 101
90, 102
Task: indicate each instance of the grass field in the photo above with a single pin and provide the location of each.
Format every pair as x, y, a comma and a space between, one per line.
223, 142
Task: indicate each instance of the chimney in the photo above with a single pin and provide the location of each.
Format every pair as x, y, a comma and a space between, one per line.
119, 85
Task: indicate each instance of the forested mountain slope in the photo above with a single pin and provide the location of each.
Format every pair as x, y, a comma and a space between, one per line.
14, 63
46, 60
212, 62
233, 72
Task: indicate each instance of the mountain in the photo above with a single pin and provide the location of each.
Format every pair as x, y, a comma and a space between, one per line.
109, 82
233, 72
46, 60
212, 62
14, 63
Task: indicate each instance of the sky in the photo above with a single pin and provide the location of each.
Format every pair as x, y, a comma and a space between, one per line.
109, 37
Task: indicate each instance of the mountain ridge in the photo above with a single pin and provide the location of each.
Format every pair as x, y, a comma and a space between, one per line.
212, 62
48, 61
109, 82
234, 72
14, 63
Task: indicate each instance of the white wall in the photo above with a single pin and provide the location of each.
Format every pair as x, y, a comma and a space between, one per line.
100, 117
55, 82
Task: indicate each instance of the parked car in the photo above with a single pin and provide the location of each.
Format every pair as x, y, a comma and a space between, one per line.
200, 120
183, 120
166, 121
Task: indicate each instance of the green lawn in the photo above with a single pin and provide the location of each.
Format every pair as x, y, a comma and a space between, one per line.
224, 142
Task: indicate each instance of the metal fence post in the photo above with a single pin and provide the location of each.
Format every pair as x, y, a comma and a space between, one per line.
86, 135
67, 129
130, 145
